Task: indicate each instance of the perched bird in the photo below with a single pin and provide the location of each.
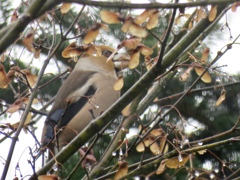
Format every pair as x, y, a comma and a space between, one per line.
86, 93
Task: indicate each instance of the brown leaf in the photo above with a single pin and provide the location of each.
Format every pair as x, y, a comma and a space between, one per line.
118, 84
30, 77
154, 148
177, 162
130, 43
93, 33
142, 17
161, 168
221, 98
205, 55
234, 6
146, 51
201, 14
201, 152
134, 61
163, 146
110, 17
27, 42
206, 77
126, 24
65, 7
122, 170
14, 16
137, 30
4, 80
17, 105
37, 53
153, 20
213, 13
184, 76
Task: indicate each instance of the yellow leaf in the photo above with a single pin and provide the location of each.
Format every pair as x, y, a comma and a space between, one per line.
110, 17
177, 162
140, 147
201, 152
118, 84
213, 13
221, 98
122, 170
65, 7
206, 77
126, 111
134, 61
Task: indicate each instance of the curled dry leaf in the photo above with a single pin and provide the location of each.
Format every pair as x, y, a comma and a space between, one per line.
205, 55
213, 13
184, 76
27, 42
65, 7
134, 60
72, 50
146, 51
221, 98
201, 152
176, 162
122, 170
161, 168
142, 17
110, 17
17, 105
93, 32
206, 77
118, 84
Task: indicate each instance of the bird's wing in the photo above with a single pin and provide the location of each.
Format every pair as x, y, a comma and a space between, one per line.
71, 97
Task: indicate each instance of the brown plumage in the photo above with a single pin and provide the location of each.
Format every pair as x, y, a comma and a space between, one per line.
86, 93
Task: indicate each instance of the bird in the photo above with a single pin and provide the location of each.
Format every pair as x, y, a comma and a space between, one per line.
84, 95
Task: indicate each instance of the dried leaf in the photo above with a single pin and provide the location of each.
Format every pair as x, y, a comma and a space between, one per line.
47, 177
201, 14
4, 80
184, 76
17, 105
177, 162
205, 55
157, 132
27, 42
122, 170
206, 77
161, 168
163, 144
30, 77
140, 147
72, 50
2, 57
201, 152
142, 17
234, 6
130, 43
213, 13
153, 20
221, 98
37, 53
118, 84
137, 30
110, 17
65, 7
154, 148
134, 61
146, 51
93, 33
126, 111
127, 23
14, 16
